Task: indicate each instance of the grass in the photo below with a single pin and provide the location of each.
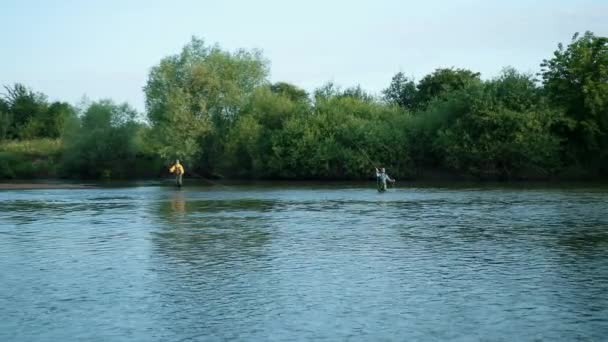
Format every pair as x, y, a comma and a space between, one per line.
30, 159
33, 148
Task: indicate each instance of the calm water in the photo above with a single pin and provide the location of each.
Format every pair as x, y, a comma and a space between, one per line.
304, 263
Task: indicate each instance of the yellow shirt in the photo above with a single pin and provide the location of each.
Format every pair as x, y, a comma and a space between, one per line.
177, 168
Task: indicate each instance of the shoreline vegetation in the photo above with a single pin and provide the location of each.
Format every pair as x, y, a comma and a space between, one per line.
218, 113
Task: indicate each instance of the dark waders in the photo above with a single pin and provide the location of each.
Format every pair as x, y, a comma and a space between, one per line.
178, 180
380, 184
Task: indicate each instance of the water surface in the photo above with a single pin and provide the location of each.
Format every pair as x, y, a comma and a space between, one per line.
304, 262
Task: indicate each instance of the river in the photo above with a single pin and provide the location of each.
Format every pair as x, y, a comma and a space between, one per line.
304, 262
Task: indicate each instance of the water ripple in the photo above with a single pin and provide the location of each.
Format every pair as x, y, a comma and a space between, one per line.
331, 263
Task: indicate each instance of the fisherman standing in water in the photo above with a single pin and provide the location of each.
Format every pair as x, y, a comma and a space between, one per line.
381, 179
178, 169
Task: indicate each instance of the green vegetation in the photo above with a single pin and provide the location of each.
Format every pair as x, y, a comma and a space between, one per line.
217, 111
193, 99
34, 148
107, 143
30, 158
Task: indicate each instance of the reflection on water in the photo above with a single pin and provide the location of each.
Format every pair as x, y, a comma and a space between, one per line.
178, 203
205, 228
257, 263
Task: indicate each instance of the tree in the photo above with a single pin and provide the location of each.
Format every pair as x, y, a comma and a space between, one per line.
26, 108
500, 143
442, 82
290, 91
401, 92
331, 90
250, 144
576, 78
104, 144
197, 92
25, 114
55, 118
344, 139
326, 91
494, 129
6, 119
514, 90
358, 93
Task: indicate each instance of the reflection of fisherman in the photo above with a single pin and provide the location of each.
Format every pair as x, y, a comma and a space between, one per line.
178, 169
178, 203
381, 178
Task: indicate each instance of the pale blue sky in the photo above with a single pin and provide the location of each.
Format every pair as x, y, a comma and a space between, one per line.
69, 48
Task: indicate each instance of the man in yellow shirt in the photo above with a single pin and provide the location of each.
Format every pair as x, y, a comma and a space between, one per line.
178, 169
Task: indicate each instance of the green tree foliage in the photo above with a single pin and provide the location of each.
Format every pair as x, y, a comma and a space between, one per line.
199, 92
217, 111
442, 82
344, 137
358, 93
56, 118
576, 78
290, 91
25, 114
489, 140
103, 145
404, 92
515, 91
6, 119
331, 90
251, 149
26, 108
500, 128
401, 92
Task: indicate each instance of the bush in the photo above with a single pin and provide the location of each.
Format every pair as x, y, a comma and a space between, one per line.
104, 144
19, 166
34, 148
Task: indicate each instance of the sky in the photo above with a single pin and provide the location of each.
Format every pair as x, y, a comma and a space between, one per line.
68, 49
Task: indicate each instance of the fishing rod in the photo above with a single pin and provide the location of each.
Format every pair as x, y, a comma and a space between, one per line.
370, 159
206, 179
209, 180
366, 155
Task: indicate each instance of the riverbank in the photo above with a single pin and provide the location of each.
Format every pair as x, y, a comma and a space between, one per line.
42, 186
34, 161
232, 184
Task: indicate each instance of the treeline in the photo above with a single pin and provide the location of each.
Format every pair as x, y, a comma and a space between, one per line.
97, 140
217, 111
